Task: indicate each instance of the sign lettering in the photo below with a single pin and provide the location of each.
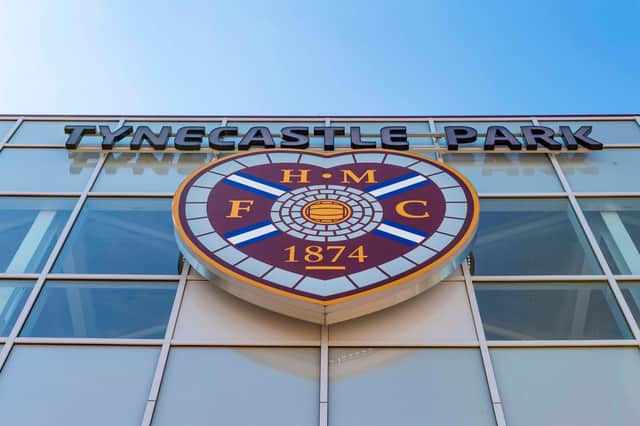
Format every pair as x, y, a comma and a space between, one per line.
191, 138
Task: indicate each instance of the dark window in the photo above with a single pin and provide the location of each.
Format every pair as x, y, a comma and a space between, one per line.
101, 310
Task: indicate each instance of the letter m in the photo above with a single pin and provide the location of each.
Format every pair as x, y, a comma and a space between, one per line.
369, 176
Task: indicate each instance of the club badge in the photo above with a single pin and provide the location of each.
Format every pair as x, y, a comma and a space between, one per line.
325, 237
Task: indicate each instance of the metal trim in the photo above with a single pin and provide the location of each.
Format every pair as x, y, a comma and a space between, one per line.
163, 356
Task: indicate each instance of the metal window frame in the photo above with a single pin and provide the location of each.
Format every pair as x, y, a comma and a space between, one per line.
39, 285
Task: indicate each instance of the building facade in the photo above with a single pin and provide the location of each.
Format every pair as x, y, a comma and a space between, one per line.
102, 321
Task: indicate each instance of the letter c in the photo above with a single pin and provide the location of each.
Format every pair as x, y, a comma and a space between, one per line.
400, 209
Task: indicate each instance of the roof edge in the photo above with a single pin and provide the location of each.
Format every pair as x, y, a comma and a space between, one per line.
309, 117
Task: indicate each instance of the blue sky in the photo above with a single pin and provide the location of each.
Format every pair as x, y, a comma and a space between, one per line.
323, 57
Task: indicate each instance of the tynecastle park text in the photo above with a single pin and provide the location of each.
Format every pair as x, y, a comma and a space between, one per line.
228, 138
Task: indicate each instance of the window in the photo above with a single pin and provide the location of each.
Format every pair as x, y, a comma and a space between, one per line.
548, 311
481, 127
586, 387
440, 314
275, 126
607, 132
13, 295
122, 236
59, 170
133, 172
602, 171
530, 237
52, 132
631, 292
243, 386
373, 128
76, 385
507, 173
370, 131
156, 126
345, 141
29, 228
616, 224
211, 314
5, 126
407, 387
101, 310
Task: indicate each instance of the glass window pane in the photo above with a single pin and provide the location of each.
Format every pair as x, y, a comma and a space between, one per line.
132, 172
175, 125
373, 128
211, 314
13, 294
631, 292
585, 386
548, 311
440, 314
29, 228
602, 171
101, 310
616, 224
530, 237
76, 385
345, 142
607, 132
274, 126
506, 173
407, 387
52, 132
369, 131
121, 236
242, 386
5, 126
481, 127
156, 126
59, 170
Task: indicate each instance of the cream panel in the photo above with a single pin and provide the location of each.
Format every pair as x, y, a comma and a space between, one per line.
209, 314
440, 315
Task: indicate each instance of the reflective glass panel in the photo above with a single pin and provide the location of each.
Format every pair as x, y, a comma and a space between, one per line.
548, 311
607, 132
530, 237
13, 294
631, 292
156, 126
275, 127
373, 128
134, 172
578, 386
602, 171
407, 387
481, 127
29, 228
59, 170
5, 126
506, 173
121, 236
52, 132
345, 141
76, 385
175, 125
101, 310
616, 225
241, 386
